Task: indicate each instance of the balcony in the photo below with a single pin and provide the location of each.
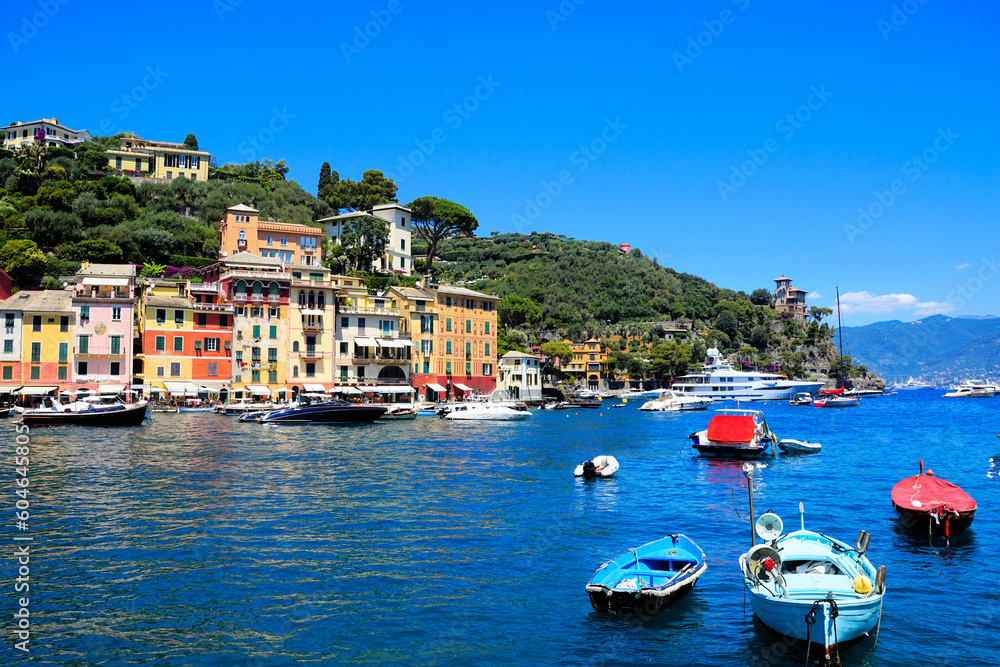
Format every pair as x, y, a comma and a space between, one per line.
368, 310
379, 360
204, 287
257, 298
95, 352
273, 298
241, 243
310, 353
276, 274
223, 307
240, 297
102, 294
312, 326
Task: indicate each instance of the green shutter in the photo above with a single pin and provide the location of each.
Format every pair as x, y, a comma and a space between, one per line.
274, 331
256, 331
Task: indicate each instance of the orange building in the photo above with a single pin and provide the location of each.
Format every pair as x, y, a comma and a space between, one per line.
241, 230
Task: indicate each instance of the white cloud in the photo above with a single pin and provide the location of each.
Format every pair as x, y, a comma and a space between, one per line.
963, 266
815, 295
865, 302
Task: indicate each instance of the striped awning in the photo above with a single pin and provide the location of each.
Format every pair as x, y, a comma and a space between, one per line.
181, 388
37, 391
346, 390
110, 388
384, 342
258, 390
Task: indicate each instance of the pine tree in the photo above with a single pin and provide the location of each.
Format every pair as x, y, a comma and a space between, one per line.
191, 142
324, 177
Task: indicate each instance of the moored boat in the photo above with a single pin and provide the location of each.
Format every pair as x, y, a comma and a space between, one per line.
734, 433
648, 578
599, 466
792, 446
80, 413
669, 401
488, 412
970, 392
929, 504
327, 412
835, 398
400, 412
811, 587
802, 398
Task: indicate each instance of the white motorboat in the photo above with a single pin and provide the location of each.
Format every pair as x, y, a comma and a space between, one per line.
792, 446
638, 393
989, 387
912, 383
719, 380
599, 466
970, 392
801, 398
488, 412
669, 401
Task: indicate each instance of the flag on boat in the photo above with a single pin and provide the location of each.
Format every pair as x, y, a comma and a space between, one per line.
768, 432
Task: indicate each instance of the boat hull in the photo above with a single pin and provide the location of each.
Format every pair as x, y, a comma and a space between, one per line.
335, 414
619, 602
132, 415
855, 619
924, 522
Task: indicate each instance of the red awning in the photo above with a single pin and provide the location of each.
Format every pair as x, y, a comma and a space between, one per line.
923, 493
731, 429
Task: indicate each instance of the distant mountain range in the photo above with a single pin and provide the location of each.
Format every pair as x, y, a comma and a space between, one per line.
938, 349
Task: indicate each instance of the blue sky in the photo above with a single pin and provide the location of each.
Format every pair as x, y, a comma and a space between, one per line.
844, 144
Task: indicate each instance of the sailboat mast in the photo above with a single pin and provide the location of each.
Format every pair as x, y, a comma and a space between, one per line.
840, 324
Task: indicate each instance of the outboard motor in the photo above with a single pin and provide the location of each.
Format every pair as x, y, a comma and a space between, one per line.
589, 470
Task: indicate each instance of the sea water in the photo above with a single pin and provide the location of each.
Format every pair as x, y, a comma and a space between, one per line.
197, 539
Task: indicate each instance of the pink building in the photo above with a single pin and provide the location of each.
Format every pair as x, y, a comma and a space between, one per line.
103, 301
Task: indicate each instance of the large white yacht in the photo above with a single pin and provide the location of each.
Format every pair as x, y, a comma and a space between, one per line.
719, 380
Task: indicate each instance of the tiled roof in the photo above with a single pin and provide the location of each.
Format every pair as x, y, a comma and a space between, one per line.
107, 270
19, 300
242, 208
51, 301
245, 257
461, 291
168, 301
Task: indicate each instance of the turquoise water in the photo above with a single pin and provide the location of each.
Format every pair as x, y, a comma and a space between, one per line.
200, 540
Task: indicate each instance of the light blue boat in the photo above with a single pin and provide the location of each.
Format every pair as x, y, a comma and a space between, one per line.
811, 587
649, 578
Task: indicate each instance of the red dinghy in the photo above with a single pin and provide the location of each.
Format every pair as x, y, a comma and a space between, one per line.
925, 500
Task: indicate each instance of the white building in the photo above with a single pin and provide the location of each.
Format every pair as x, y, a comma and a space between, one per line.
520, 376
398, 249
10, 357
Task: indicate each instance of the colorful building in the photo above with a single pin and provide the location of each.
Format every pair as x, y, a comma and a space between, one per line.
185, 340
242, 230
312, 317
17, 134
788, 299
258, 288
159, 159
371, 352
103, 300
11, 309
398, 250
589, 363
462, 357
47, 341
419, 321
519, 376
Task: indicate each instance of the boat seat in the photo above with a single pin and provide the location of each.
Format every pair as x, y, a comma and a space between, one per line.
818, 585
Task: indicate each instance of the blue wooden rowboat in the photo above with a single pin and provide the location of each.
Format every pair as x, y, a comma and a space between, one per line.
649, 578
812, 587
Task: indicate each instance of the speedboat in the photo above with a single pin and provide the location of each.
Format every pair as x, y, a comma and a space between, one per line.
241, 406
792, 446
811, 587
970, 392
85, 413
327, 412
639, 393
669, 401
649, 578
802, 398
925, 502
737, 433
488, 412
834, 398
719, 380
599, 466
400, 411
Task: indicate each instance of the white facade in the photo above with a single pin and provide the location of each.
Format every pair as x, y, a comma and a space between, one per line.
10, 347
520, 376
17, 134
398, 249
368, 347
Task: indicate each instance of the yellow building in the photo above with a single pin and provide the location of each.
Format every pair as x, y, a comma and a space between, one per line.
312, 316
18, 133
159, 159
47, 340
590, 363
